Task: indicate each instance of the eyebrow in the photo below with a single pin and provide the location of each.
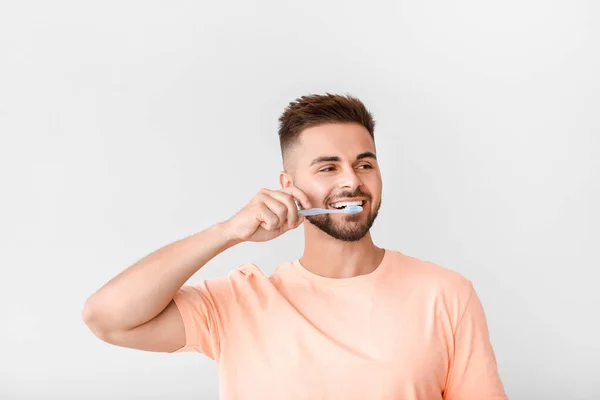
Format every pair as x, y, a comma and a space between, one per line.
366, 154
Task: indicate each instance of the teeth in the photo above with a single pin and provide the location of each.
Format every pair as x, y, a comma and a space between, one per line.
342, 204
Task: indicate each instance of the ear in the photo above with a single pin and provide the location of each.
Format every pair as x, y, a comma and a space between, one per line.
285, 179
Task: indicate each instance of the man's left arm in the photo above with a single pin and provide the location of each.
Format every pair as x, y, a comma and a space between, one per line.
473, 370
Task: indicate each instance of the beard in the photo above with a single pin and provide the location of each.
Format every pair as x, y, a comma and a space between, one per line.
345, 227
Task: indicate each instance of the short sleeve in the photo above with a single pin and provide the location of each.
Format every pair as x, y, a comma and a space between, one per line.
473, 368
197, 308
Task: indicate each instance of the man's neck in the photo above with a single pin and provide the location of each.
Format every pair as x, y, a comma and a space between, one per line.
334, 258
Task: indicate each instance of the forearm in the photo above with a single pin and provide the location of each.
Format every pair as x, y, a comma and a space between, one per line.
143, 290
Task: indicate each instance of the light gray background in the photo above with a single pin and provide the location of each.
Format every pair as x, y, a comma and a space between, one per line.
128, 125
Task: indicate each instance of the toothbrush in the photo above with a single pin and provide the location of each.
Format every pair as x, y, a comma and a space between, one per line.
351, 209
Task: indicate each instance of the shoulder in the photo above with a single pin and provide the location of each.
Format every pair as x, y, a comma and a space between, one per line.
427, 282
429, 276
239, 285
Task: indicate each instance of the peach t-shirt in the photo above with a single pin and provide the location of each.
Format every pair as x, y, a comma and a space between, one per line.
408, 330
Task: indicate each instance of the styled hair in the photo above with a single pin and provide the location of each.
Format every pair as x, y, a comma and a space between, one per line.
314, 110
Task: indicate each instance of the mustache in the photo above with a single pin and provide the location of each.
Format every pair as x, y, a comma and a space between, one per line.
358, 193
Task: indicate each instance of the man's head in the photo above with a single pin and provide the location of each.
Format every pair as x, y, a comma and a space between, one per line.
328, 150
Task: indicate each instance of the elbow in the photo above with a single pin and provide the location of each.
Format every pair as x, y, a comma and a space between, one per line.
89, 314
92, 318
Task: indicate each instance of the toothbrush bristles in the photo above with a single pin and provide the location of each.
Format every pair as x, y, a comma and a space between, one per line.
352, 209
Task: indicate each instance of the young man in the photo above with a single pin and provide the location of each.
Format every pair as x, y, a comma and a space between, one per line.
348, 320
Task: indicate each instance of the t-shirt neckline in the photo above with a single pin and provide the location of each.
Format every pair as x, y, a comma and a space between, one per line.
342, 281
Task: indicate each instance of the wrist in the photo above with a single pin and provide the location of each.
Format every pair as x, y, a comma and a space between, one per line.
228, 234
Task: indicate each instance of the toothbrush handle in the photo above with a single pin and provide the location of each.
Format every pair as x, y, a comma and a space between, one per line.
313, 211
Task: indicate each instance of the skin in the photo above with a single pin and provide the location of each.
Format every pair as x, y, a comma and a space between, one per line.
343, 240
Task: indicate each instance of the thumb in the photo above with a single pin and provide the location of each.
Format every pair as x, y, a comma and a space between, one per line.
299, 222
286, 227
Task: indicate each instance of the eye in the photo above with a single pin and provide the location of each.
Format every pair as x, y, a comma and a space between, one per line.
366, 166
326, 169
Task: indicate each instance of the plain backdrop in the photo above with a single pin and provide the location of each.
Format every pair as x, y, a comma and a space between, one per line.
127, 125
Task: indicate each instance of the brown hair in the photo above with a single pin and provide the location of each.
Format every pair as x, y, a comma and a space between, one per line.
313, 110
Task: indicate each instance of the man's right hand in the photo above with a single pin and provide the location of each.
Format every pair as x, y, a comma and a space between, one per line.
268, 215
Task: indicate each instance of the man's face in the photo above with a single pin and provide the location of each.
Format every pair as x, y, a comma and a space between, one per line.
333, 163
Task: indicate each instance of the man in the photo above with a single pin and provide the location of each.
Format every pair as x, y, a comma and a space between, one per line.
348, 320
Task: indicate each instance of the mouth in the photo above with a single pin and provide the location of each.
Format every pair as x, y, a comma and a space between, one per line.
340, 205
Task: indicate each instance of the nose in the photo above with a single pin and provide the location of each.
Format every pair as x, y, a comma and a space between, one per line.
349, 180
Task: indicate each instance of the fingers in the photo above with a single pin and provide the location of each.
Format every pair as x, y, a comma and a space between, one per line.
298, 195
292, 210
267, 218
282, 204
271, 211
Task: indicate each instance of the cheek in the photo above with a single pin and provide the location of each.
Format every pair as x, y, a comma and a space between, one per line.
319, 194
374, 187
316, 191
